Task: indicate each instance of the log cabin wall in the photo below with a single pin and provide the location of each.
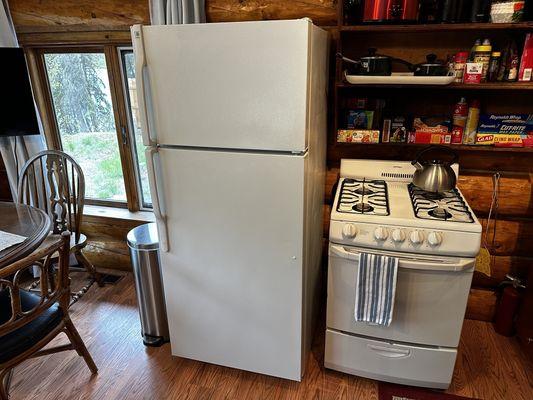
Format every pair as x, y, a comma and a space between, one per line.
512, 247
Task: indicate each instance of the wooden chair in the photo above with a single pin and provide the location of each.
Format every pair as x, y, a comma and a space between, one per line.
29, 321
53, 181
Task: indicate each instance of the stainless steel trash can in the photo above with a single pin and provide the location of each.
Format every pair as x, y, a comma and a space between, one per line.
143, 243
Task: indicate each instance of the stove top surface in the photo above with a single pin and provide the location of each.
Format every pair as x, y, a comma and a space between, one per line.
403, 204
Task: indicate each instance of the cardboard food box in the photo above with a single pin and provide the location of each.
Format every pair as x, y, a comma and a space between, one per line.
430, 137
357, 136
434, 130
398, 130
504, 140
473, 73
526, 63
359, 119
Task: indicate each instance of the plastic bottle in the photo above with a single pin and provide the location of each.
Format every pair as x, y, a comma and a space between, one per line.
511, 71
494, 66
460, 113
482, 55
473, 49
459, 65
472, 121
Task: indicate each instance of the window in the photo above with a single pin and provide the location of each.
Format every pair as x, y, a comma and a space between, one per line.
128, 72
81, 99
92, 114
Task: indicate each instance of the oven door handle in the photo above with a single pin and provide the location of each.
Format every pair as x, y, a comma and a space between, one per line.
422, 263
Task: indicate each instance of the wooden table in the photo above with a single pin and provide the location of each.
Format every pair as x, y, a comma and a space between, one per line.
26, 221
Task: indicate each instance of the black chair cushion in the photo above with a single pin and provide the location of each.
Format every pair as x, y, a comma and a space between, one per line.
20, 340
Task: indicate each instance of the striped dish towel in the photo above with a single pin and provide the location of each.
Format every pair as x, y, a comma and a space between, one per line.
375, 289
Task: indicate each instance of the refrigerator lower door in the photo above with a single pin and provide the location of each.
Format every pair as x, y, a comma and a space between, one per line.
233, 272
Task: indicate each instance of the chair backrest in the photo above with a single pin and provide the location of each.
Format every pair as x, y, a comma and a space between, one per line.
53, 181
56, 290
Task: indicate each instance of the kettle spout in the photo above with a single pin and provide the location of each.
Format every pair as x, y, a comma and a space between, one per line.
417, 165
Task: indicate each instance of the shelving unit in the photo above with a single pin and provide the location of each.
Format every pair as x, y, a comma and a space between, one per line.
436, 27
453, 86
413, 43
458, 147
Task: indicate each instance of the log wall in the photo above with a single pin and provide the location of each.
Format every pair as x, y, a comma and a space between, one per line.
49, 15
513, 244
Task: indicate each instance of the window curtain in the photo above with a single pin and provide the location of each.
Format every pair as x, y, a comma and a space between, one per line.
169, 12
16, 150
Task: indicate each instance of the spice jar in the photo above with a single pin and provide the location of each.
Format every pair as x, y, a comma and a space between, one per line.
482, 55
459, 65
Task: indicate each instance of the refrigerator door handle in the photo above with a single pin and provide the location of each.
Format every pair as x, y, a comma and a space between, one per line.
160, 217
140, 70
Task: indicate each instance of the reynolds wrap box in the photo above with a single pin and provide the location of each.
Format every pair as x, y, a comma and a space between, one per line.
516, 124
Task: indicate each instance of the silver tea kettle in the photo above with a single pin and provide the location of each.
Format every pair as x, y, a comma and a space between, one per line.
434, 175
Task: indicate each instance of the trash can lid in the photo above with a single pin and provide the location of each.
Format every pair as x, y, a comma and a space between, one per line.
144, 237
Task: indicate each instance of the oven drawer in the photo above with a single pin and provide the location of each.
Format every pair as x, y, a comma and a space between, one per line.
430, 301
397, 363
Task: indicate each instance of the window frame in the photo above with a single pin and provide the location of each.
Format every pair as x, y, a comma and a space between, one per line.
124, 133
121, 50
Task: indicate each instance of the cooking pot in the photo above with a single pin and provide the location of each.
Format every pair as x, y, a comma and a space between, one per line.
372, 64
432, 67
434, 175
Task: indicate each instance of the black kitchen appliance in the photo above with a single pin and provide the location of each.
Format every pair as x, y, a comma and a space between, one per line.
18, 115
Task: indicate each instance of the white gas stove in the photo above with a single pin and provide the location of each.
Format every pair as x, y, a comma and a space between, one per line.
435, 237
377, 206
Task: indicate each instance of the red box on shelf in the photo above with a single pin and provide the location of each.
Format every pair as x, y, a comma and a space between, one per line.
430, 137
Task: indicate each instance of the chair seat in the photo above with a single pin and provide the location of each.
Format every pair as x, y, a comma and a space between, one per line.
73, 245
20, 340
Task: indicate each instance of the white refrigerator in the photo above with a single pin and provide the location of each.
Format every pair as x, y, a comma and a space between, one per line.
234, 119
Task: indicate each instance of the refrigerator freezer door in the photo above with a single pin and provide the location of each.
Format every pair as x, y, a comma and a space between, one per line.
233, 272
226, 85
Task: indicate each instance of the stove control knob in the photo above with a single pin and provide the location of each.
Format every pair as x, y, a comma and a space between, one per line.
434, 239
398, 236
416, 237
349, 231
381, 233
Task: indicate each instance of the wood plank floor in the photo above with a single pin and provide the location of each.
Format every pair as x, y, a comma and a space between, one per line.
489, 366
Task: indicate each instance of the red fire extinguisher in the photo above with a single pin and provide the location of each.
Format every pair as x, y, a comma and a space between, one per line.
508, 306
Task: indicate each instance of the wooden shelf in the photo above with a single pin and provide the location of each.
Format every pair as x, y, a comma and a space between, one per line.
436, 27
453, 86
459, 147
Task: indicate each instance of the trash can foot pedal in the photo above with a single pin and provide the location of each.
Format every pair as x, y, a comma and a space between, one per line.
153, 341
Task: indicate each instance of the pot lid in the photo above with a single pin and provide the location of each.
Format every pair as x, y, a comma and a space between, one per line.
373, 56
431, 61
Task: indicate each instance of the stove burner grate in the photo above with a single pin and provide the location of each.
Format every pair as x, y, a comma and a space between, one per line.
363, 196
447, 206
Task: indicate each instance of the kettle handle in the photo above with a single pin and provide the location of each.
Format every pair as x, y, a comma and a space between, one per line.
436, 147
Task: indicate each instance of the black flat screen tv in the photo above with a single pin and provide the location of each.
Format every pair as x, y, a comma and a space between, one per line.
17, 109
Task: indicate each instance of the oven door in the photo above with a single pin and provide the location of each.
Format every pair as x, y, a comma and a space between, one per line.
430, 302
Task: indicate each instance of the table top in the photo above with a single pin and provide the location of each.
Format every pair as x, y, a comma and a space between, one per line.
26, 221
